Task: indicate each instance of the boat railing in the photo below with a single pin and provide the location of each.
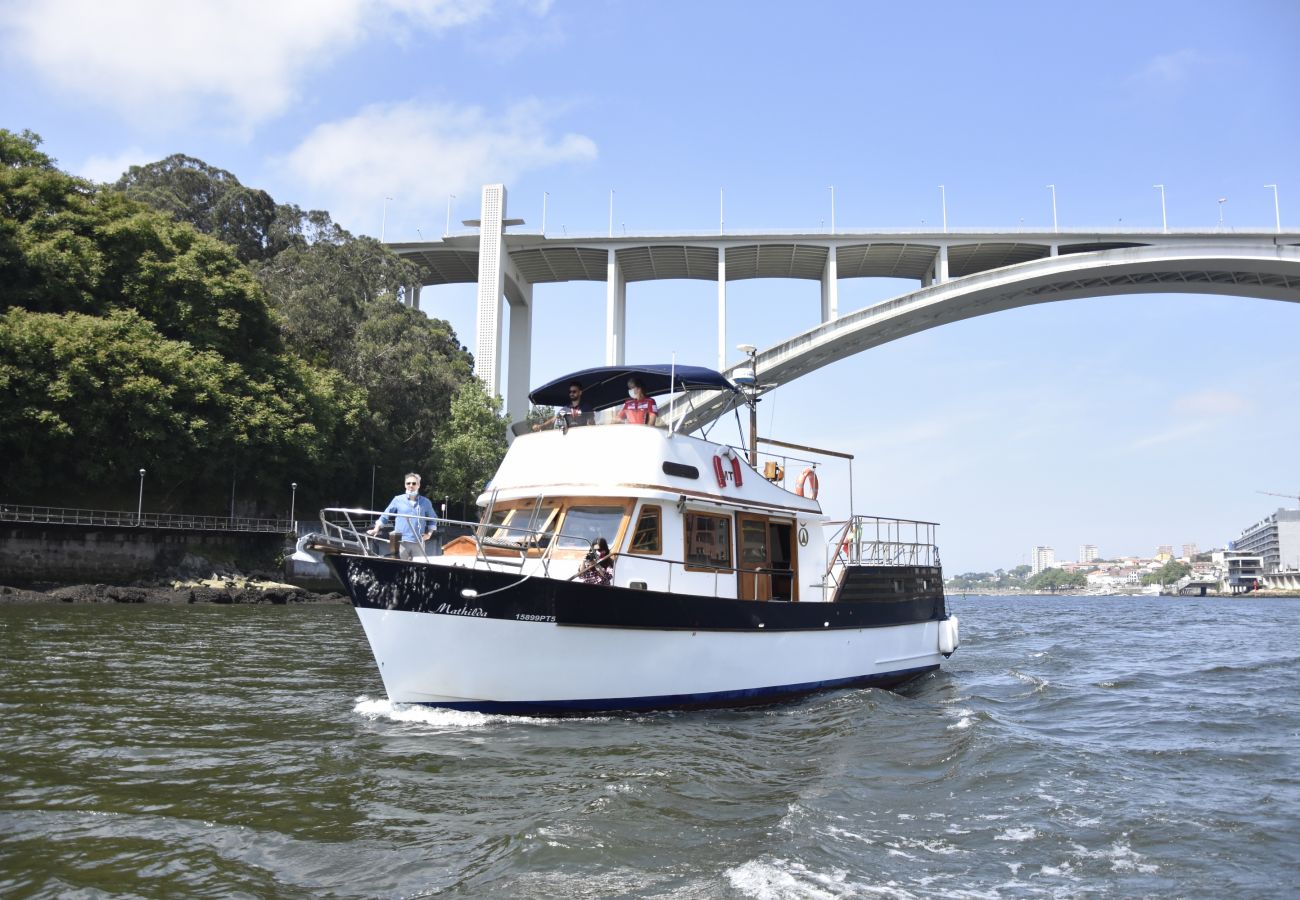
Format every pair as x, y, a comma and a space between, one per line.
879, 541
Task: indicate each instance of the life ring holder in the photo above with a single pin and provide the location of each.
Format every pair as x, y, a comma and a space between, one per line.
808, 479
720, 473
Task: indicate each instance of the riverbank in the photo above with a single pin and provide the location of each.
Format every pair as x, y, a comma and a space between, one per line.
213, 590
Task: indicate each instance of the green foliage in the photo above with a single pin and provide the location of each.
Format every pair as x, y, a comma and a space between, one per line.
1168, 573
100, 396
136, 337
1053, 580
474, 446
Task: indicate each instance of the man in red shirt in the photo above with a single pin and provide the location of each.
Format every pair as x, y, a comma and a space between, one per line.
638, 409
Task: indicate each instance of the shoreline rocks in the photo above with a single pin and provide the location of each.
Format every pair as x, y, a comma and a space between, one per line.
221, 591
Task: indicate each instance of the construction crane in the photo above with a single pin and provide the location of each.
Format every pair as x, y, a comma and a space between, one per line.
1295, 497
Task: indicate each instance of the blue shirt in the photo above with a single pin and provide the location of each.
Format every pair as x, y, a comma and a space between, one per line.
406, 511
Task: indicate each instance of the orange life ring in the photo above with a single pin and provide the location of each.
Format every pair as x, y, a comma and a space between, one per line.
807, 477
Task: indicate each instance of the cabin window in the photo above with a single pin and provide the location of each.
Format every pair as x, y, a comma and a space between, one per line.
519, 524
708, 540
647, 538
583, 524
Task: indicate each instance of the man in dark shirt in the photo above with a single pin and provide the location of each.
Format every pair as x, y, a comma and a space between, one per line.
576, 413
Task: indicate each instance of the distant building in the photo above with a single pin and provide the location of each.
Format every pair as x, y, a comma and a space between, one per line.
1041, 558
1244, 571
1276, 540
1165, 552
1189, 552
1088, 552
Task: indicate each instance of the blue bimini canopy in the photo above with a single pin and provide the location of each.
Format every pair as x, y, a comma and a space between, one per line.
606, 386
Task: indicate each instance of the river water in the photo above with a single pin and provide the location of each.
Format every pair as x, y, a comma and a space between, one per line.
1097, 747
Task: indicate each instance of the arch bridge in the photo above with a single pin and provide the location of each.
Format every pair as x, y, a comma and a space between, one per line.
961, 274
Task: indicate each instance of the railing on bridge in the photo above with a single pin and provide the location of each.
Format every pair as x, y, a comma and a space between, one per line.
100, 518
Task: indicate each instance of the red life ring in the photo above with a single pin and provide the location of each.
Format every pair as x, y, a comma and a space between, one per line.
807, 477
721, 474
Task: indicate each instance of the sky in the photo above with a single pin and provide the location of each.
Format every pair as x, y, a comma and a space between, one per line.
1124, 422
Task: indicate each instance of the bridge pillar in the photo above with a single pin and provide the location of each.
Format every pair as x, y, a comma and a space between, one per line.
615, 312
519, 293
941, 264
414, 295
722, 308
830, 287
491, 251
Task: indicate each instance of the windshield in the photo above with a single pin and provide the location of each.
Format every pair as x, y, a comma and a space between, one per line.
584, 524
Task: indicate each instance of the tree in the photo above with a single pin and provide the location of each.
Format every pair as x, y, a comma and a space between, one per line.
474, 446
1053, 580
210, 199
1168, 573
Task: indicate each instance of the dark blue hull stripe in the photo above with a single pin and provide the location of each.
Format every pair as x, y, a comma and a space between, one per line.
682, 701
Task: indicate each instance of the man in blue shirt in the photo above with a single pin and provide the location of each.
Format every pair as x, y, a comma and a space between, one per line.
413, 518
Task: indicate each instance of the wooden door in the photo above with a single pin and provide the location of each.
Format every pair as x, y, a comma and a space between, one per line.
754, 557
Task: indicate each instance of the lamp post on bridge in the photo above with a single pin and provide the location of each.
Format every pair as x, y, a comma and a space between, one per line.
1164, 219
383, 223
1222, 200
943, 200
1052, 188
1277, 212
139, 508
447, 229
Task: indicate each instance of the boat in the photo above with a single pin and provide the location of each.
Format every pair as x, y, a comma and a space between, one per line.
729, 586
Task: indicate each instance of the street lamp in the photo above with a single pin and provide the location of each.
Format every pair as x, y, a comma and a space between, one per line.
752, 352
1052, 188
139, 508
293, 499
383, 224
832, 187
1277, 212
943, 199
1164, 219
1222, 200
447, 229
546, 195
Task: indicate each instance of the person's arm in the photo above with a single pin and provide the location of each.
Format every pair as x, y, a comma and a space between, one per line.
652, 414
383, 517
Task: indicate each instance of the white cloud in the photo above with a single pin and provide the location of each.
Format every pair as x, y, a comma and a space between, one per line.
1171, 69
111, 168
238, 62
418, 153
1212, 403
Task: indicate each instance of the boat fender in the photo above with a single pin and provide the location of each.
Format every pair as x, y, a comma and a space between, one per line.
949, 635
807, 481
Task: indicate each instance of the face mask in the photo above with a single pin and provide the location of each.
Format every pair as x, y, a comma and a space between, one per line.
411, 495
631, 392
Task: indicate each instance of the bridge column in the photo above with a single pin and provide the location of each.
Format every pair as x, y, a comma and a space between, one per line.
1053, 249
615, 312
722, 308
519, 293
941, 264
414, 296
830, 287
491, 238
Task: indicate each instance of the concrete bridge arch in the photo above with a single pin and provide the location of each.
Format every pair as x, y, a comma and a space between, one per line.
1267, 271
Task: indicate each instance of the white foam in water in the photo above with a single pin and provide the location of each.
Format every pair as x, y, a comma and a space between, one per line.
412, 714
781, 879
966, 718
1017, 834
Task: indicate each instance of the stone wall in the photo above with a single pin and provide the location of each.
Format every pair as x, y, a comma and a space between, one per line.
70, 554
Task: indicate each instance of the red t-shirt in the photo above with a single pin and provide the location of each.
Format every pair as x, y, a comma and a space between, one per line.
635, 412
